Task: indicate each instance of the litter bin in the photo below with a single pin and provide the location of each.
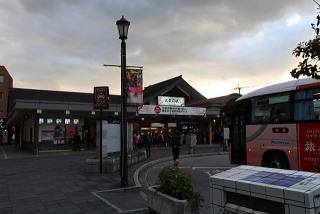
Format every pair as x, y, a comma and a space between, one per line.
250, 189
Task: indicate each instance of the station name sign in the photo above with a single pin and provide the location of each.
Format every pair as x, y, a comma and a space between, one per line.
172, 110
170, 101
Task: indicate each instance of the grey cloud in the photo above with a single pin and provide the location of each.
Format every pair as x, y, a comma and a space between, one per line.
60, 33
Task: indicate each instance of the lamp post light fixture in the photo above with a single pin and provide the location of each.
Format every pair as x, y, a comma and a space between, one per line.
123, 26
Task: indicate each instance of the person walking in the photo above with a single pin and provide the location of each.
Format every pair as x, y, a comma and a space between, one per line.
220, 138
147, 142
138, 140
77, 140
160, 139
134, 144
176, 148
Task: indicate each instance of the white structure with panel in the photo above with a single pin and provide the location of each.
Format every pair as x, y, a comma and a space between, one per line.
250, 189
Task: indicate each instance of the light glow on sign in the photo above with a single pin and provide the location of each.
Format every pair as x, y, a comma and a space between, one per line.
171, 110
170, 101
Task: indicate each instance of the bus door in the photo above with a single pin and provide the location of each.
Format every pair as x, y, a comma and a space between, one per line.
238, 136
238, 133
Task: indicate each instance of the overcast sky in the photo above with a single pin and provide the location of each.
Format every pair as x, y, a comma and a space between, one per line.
214, 44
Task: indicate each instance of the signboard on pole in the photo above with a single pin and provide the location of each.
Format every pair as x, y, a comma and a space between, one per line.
101, 101
134, 86
101, 97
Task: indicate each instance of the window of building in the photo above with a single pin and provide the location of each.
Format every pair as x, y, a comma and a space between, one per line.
1, 95
1, 78
41, 120
49, 121
58, 120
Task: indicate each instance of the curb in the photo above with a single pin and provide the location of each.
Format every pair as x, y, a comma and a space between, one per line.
154, 162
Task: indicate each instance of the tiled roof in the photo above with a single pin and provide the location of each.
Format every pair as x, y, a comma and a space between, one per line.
4, 70
64, 96
158, 88
152, 89
216, 100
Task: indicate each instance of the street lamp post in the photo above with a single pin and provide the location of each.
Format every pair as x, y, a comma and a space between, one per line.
123, 26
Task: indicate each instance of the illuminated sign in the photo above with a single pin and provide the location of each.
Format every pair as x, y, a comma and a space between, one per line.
172, 110
170, 101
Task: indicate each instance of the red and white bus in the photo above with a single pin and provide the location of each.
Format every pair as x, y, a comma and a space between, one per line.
277, 126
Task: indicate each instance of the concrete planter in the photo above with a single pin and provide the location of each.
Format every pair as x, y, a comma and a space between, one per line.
165, 204
112, 164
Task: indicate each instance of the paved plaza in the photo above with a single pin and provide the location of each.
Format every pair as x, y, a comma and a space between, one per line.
59, 183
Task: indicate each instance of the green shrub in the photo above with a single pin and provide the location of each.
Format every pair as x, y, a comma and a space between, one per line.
178, 185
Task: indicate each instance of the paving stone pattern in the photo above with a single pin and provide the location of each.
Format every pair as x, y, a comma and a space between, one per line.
60, 184
56, 184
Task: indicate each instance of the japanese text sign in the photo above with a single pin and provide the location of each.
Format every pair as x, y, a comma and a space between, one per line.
101, 97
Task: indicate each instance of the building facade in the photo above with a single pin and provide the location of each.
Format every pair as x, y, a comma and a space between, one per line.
42, 120
6, 83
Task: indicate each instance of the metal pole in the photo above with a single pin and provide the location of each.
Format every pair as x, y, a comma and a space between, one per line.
35, 135
100, 141
124, 152
119, 66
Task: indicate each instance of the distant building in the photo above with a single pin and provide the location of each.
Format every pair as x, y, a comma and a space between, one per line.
6, 83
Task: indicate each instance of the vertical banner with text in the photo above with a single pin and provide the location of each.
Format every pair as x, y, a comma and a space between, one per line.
101, 97
134, 86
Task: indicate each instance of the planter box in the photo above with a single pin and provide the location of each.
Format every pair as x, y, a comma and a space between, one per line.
165, 204
112, 164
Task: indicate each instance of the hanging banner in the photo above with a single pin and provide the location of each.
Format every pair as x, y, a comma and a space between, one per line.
71, 131
172, 110
134, 86
101, 97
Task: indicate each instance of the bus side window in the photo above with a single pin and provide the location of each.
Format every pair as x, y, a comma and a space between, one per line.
280, 112
274, 109
304, 108
316, 108
261, 111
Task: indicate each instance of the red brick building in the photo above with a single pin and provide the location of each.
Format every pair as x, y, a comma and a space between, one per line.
6, 82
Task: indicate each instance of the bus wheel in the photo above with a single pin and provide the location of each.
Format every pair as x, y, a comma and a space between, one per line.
278, 160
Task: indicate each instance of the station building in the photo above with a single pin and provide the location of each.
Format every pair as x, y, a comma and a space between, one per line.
45, 120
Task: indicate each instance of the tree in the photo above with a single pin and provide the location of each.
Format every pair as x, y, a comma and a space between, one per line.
310, 53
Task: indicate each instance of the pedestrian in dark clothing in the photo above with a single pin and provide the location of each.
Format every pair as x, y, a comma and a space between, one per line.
147, 142
77, 140
175, 148
87, 138
160, 139
220, 138
138, 140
